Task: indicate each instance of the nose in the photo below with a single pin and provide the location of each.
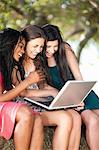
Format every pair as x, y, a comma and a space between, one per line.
23, 50
52, 50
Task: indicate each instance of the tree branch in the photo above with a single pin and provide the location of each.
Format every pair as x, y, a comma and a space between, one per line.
16, 9
94, 4
74, 32
90, 33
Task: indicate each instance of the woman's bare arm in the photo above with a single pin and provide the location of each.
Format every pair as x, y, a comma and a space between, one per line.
73, 63
46, 91
39, 93
21, 87
9, 95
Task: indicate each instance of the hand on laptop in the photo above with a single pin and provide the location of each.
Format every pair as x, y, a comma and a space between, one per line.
80, 106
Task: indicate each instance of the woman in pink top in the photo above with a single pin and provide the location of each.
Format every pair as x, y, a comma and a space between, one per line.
16, 118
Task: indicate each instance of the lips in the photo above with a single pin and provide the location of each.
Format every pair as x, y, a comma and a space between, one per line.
49, 54
20, 54
35, 54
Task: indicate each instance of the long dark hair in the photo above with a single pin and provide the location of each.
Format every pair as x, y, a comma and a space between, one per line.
8, 40
32, 32
53, 33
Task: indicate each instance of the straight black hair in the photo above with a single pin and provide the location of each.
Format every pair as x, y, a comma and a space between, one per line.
52, 33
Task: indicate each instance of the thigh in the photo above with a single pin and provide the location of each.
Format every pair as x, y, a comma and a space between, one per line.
23, 112
96, 111
52, 118
73, 112
75, 115
88, 116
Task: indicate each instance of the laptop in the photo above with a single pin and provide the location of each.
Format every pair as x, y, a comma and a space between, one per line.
71, 95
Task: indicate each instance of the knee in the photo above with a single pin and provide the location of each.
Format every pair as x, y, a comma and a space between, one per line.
65, 119
76, 117
38, 121
77, 121
93, 123
25, 114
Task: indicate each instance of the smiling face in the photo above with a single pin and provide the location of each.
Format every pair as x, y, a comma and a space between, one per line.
19, 49
34, 46
51, 48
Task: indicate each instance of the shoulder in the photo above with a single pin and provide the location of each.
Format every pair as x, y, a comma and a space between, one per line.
67, 46
68, 49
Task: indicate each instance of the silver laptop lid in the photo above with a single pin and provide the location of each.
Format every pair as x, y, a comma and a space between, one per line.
72, 93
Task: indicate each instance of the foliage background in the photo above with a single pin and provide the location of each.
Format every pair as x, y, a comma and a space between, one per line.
77, 19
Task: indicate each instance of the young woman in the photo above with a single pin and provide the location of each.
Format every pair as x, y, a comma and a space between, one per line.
16, 118
62, 120
62, 65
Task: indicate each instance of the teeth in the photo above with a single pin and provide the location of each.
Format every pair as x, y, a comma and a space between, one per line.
20, 54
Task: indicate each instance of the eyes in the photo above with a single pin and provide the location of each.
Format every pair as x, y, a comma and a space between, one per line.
35, 46
52, 46
49, 46
21, 45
